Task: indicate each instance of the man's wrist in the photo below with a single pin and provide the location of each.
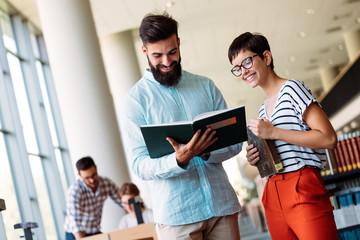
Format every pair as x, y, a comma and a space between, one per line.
205, 157
182, 165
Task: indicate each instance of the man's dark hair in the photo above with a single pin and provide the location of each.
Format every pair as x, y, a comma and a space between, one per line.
156, 27
256, 43
84, 163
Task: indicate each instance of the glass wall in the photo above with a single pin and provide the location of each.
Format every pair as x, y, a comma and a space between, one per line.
7, 191
35, 166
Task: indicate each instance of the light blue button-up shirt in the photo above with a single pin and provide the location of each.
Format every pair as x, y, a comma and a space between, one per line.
179, 196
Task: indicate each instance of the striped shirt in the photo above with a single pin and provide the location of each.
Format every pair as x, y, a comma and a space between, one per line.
179, 195
84, 207
293, 99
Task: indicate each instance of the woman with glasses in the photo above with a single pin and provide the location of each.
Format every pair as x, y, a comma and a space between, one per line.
297, 205
127, 192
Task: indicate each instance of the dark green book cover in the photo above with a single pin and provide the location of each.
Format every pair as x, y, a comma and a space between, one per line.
230, 126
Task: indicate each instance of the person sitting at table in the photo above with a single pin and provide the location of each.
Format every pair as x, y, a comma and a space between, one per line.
128, 191
85, 200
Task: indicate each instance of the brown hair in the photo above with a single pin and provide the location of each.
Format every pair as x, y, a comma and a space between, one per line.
129, 189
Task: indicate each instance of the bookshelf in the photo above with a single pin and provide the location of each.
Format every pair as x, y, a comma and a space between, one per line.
341, 104
329, 179
354, 227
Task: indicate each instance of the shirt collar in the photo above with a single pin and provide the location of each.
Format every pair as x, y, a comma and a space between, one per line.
150, 76
82, 183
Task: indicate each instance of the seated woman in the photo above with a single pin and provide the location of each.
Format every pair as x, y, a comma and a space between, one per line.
126, 192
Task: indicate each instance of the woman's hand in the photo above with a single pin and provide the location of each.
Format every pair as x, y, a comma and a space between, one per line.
252, 154
262, 128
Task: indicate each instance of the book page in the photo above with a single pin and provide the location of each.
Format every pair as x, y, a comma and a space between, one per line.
209, 114
168, 124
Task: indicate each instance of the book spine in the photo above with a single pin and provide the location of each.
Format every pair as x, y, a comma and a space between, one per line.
357, 137
332, 162
356, 149
350, 150
341, 154
327, 170
343, 148
340, 158
343, 202
357, 197
334, 202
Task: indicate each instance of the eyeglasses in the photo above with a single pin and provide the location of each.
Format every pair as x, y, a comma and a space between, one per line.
92, 177
124, 204
246, 64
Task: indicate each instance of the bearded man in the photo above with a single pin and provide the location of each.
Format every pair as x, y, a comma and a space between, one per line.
191, 195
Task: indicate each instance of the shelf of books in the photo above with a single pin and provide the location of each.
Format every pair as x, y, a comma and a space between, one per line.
347, 213
342, 175
342, 179
346, 155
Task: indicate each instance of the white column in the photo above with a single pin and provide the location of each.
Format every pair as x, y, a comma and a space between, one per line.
123, 72
121, 64
352, 42
83, 92
328, 74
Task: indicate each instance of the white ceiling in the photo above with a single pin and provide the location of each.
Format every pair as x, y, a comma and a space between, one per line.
207, 27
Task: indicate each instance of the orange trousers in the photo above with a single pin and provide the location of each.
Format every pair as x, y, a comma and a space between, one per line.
297, 206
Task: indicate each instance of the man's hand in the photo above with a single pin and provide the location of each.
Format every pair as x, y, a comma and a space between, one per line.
79, 235
197, 144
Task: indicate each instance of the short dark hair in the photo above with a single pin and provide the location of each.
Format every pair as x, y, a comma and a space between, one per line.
253, 42
84, 163
155, 27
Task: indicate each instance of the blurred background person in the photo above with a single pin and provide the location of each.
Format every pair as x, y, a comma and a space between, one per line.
126, 192
85, 200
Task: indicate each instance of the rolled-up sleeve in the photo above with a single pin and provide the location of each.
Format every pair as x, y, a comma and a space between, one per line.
143, 166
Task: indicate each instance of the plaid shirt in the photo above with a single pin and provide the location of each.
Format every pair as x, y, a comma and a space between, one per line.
84, 207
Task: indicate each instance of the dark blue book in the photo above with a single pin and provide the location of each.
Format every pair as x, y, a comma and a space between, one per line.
345, 200
357, 197
230, 126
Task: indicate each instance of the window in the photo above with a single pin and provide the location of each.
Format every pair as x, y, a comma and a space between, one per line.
7, 192
35, 165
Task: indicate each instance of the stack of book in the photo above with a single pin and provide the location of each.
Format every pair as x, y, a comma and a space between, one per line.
348, 151
347, 213
346, 155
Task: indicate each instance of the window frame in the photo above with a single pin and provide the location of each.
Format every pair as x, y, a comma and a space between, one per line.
11, 128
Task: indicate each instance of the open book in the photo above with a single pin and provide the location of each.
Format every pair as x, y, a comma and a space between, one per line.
230, 126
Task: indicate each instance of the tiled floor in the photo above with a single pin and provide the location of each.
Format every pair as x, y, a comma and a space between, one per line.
249, 232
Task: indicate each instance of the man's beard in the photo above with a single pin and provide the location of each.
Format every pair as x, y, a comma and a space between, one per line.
167, 79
